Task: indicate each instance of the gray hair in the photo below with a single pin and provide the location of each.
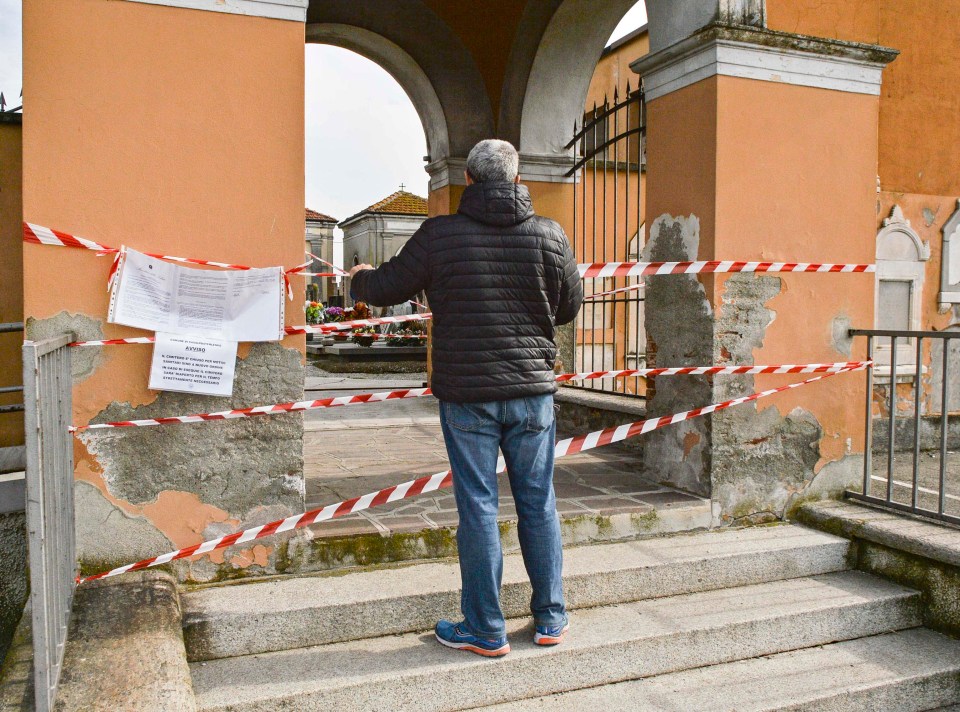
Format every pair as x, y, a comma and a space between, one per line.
493, 161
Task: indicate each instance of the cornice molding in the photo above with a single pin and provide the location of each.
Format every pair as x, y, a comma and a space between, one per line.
764, 55
295, 10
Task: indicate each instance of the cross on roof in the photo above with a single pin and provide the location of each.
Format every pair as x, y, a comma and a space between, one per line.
402, 186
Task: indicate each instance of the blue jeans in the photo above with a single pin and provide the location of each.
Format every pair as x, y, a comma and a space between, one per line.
525, 430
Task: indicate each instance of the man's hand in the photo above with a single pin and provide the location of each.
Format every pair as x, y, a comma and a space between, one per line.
357, 268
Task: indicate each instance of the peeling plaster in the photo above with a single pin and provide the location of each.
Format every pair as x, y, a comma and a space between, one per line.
182, 484
679, 325
236, 465
83, 361
753, 461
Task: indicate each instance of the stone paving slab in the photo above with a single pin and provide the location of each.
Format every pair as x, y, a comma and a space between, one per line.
591, 483
353, 450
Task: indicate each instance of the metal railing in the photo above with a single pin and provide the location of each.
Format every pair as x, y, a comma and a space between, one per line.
607, 227
910, 483
11, 328
50, 515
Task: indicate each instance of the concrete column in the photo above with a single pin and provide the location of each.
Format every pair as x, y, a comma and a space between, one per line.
760, 146
140, 131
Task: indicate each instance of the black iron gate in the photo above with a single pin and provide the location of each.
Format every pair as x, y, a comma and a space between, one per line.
608, 227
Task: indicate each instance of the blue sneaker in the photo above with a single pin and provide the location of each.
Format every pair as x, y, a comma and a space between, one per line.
454, 636
550, 634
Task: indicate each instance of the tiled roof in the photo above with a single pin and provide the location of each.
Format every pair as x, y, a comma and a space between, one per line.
402, 203
319, 217
399, 203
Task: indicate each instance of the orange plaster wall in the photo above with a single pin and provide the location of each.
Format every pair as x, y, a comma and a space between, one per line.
778, 172
445, 200
11, 277
838, 19
920, 106
796, 181
166, 130
919, 129
613, 70
681, 174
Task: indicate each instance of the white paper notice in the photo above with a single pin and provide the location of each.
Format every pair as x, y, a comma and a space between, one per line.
192, 364
236, 305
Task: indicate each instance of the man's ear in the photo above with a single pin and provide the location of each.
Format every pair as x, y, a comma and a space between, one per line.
517, 179
467, 177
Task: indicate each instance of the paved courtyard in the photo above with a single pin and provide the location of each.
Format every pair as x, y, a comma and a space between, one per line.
350, 451
928, 479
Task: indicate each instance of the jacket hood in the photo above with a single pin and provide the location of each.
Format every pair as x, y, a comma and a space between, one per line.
500, 204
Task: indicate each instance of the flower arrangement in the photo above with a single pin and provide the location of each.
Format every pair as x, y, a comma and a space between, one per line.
360, 310
333, 314
314, 313
364, 336
405, 337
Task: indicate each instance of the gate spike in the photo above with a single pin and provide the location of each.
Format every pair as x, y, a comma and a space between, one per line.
616, 94
628, 88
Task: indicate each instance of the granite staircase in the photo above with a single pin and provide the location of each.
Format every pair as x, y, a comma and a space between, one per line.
768, 618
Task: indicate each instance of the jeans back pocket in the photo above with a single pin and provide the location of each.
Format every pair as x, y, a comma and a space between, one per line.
462, 416
540, 415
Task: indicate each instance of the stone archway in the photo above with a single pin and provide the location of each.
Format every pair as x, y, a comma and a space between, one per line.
424, 55
559, 78
570, 46
398, 64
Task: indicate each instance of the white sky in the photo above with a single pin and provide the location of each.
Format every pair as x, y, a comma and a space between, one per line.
363, 136
10, 51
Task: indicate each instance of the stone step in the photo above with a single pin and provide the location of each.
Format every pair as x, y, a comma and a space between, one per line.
245, 618
907, 671
606, 644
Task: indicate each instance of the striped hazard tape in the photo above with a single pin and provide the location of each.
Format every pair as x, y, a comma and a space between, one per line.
151, 339
40, 235
715, 370
343, 325
440, 480
337, 271
295, 407
300, 406
328, 329
648, 269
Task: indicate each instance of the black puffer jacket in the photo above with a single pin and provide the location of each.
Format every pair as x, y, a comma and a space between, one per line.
499, 279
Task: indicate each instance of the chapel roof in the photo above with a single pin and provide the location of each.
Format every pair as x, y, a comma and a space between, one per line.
314, 216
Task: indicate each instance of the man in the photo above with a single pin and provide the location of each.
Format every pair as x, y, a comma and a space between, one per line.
499, 279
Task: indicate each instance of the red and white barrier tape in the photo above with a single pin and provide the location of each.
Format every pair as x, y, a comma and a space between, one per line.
338, 272
151, 339
40, 235
300, 406
628, 288
264, 409
326, 329
375, 337
646, 269
343, 325
116, 342
440, 480
715, 370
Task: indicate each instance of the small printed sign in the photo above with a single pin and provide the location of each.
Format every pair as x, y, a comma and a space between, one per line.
192, 364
